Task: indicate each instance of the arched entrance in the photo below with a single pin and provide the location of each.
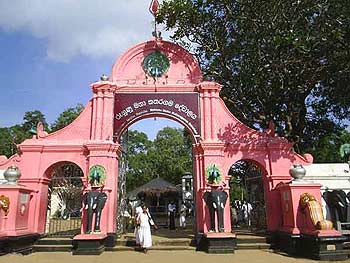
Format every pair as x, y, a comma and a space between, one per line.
155, 167
157, 78
247, 195
64, 200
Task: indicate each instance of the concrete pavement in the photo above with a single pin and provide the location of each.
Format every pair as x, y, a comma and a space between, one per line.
156, 256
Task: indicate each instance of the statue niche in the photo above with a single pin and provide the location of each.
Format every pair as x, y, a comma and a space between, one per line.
216, 201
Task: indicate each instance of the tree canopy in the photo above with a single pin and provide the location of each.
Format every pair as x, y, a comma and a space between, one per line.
11, 136
286, 61
169, 156
31, 119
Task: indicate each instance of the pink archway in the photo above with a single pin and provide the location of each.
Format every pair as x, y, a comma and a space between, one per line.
129, 95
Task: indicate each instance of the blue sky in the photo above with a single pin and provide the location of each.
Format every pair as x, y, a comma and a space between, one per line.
51, 51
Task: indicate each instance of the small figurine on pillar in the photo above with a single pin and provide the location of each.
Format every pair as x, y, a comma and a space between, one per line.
216, 240
91, 242
4, 204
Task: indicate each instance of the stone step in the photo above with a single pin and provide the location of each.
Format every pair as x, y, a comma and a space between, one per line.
252, 246
167, 248
54, 241
167, 242
244, 242
251, 239
52, 248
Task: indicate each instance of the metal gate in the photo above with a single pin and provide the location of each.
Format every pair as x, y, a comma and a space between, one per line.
249, 207
65, 201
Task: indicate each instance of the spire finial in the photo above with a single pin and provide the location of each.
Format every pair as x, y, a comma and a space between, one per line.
153, 8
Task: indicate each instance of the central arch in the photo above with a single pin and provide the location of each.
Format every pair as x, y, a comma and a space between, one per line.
152, 200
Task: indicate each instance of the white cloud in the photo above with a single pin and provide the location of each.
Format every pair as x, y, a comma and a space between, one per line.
95, 28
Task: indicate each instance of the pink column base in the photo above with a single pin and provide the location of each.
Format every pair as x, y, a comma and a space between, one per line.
322, 233
219, 235
90, 237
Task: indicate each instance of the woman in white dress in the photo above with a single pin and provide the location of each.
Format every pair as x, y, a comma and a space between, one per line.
138, 211
144, 229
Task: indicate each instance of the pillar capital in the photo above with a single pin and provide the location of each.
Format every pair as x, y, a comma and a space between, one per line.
209, 86
103, 87
108, 149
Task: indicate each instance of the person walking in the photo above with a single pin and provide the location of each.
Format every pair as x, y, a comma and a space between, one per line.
247, 209
183, 211
145, 221
171, 213
138, 211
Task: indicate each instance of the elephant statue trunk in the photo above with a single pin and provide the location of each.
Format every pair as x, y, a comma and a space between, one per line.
216, 201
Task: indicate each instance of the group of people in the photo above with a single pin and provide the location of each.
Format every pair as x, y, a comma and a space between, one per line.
183, 212
244, 213
241, 213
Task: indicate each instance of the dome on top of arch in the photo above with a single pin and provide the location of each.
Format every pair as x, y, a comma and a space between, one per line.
183, 68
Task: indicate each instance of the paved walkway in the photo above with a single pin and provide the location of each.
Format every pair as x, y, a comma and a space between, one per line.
244, 256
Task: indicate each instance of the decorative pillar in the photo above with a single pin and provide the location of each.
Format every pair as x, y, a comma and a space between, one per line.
16, 235
213, 199
103, 155
299, 234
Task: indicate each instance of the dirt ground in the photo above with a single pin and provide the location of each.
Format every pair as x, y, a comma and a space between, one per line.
156, 256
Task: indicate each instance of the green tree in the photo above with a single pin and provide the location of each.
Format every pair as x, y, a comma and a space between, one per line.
67, 117
7, 146
325, 147
173, 155
140, 168
169, 156
11, 136
31, 119
286, 61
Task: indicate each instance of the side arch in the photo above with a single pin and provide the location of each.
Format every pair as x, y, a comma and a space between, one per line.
248, 191
64, 199
50, 167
